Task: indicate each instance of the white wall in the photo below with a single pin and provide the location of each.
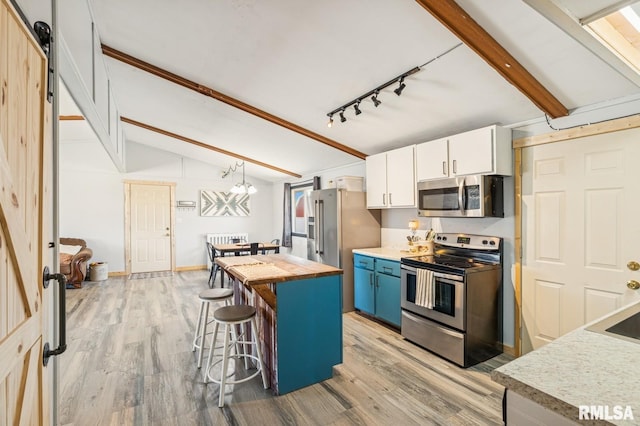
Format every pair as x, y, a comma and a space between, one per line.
92, 201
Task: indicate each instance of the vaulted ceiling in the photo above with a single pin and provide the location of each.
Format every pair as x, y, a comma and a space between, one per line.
295, 61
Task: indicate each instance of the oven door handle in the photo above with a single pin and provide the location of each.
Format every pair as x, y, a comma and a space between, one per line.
409, 268
451, 277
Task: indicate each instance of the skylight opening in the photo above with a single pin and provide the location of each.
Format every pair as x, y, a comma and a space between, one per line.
631, 16
620, 33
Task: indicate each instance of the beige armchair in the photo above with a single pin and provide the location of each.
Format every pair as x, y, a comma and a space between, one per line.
74, 255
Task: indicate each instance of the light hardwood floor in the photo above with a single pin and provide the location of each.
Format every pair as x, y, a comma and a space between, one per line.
129, 361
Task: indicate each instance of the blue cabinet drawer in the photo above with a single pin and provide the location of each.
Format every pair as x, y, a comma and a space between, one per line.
388, 267
363, 262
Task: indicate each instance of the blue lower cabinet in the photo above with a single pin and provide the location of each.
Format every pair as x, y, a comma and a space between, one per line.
363, 291
388, 298
377, 288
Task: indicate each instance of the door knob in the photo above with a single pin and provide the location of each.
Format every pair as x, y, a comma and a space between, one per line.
633, 284
633, 265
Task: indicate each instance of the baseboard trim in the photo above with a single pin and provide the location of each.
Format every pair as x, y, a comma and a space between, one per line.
191, 268
509, 350
178, 269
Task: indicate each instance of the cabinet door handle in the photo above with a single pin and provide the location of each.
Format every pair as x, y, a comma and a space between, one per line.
444, 168
371, 280
377, 278
384, 199
390, 202
455, 166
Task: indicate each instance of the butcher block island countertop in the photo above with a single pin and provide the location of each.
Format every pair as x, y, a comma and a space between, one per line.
299, 310
274, 268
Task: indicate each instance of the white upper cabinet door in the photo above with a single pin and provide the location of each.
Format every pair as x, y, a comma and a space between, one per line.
376, 170
481, 151
472, 152
432, 160
401, 183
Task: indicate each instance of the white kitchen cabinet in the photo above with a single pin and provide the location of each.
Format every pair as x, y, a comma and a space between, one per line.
432, 159
481, 151
391, 179
376, 172
521, 411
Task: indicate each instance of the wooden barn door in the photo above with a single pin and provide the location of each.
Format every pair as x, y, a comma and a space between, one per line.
25, 206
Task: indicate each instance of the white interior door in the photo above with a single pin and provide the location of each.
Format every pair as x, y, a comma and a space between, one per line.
25, 216
580, 229
150, 236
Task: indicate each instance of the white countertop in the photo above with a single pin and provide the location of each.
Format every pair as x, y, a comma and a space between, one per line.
580, 368
390, 253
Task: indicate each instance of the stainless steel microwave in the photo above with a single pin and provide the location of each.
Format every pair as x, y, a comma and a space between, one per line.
462, 196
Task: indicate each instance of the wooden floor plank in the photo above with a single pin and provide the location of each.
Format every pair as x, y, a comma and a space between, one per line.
129, 362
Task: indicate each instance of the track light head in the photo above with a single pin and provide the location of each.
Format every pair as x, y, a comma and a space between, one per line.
400, 88
342, 117
375, 100
330, 123
356, 107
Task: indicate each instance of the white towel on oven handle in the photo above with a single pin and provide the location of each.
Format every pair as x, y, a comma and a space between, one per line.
424, 288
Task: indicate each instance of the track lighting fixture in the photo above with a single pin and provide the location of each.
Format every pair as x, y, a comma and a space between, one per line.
400, 88
373, 94
375, 100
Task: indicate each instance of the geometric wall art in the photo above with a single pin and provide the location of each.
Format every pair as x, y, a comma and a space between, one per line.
223, 204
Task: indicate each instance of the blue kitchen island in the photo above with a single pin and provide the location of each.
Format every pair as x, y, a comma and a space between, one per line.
299, 315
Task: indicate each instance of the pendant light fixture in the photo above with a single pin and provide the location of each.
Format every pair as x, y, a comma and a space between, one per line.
240, 188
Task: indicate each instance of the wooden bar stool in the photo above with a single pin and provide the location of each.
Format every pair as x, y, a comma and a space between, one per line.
230, 316
206, 297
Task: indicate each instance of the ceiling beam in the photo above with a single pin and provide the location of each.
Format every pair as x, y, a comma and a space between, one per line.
207, 91
452, 16
189, 140
206, 146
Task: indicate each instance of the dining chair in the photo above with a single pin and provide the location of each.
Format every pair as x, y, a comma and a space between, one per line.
253, 248
237, 241
214, 267
275, 241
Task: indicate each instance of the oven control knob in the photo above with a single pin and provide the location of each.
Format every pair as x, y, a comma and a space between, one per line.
439, 238
485, 242
492, 243
444, 238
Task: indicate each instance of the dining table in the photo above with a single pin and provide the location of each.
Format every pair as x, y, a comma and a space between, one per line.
239, 249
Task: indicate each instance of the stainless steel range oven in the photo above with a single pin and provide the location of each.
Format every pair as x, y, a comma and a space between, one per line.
451, 300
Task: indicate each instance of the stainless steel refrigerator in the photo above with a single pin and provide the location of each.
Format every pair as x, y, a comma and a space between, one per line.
337, 222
